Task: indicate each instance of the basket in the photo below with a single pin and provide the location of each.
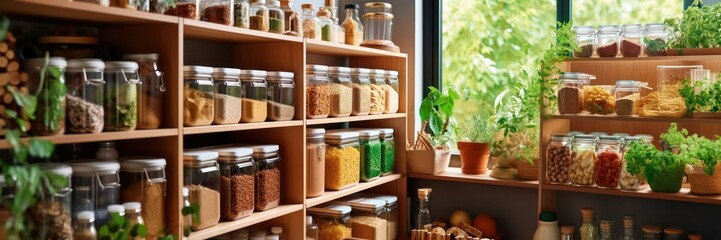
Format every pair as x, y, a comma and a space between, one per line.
428, 161
526, 171
702, 183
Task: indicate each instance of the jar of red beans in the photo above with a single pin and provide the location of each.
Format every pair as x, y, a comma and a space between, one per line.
631, 40
607, 166
607, 41
558, 159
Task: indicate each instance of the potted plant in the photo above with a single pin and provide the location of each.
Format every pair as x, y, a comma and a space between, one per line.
475, 145
703, 156
696, 31
664, 170
703, 98
673, 138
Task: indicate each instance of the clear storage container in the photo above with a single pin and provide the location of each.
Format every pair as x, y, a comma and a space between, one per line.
627, 181
584, 40
185, 9
152, 87
378, 93
228, 95
370, 147
317, 91
388, 150
53, 210
391, 214
276, 17
352, 26
259, 16
327, 28
607, 41
96, 185
216, 11
392, 92
292, 19
311, 23
241, 14
342, 160
121, 96
50, 111
281, 95
255, 96
628, 93
85, 226
368, 219
202, 177
558, 159
237, 182
655, 39
84, 100
671, 77
315, 153
580, 171
143, 180
570, 93
198, 96
361, 91
377, 28
631, 40
607, 167
334, 221
341, 92
267, 159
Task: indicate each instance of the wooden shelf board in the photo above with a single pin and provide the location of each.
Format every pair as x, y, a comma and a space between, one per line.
104, 136
240, 127
354, 118
80, 11
682, 196
201, 30
455, 175
632, 119
314, 46
333, 195
256, 217
647, 59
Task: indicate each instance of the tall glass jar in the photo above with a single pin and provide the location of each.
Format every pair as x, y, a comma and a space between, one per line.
372, 214
651, 232
583, 158
341, 92
202, 176
276, 17
627, 92
259, 16
143, 180
655, 39
50, 111
388, 150
198, 96
185, 9
96, 185
216, 11
378, 93
84, 81
53, 210
607, 41
85, 226
281, 95
370, 164
317, 91
391, 215
352, 25
228, 94
315, 170
292, 19
631, 40
342, 160
584, 40
588, 229
267, 159
327, 28
392, 92
605, 230
334, 221
558, 159
151, 89
361, 91
629, 228
570, 93
311, 23
607, 167
237, 182
627, 181
255, 96
121, 96
241, 14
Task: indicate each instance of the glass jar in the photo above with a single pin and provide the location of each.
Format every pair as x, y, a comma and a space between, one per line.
342, 160
311, 23
631, 40
607, 166
628, 181
121, 96
334, 221
259, 16
152, 87
570, 93
50, 112
370, 214
673, 234
216, 11
651, 232
627, 92
185, 9
241, 14
558, 159
391, 92
127, 4
341, 92
588, 229
339, 31
255, 96
327, 28
370, 147
607, 41
228, 94
378, 93
391, 215
267, 160
237, 182
143, 180
292, 19
655, 39
583, 157
315, 170
629, 227
388, 150
598, 99
605, 230
134, 215
361, 91
311, 229
202, 177
281, 95
352, 25
584, 40
377, 28
106, 152
53, 210
671, 77
198, 96
566, 232
276, 17
96, 185
84, 100
317, 92
85, 226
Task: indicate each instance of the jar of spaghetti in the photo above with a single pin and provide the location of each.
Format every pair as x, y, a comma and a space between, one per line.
342, 160
378, 92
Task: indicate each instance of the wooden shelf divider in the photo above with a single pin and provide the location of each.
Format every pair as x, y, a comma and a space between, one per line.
103, 137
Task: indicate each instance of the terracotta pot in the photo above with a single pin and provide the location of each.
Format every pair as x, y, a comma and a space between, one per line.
702, 183
474, 157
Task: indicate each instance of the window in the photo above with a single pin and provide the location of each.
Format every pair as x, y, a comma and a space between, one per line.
603, 12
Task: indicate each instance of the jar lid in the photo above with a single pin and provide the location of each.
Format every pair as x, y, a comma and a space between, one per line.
585, 137
315, 132
200, 156
235, 152
547, 216
265, 148
379, 15
274, 3
388, 199
560, 137
629, 221
133, 164
56, 168
673, 231
312, 68
253, 73
361, 71
651, 229
307, 6
644, 136
280, 75
337, 70
323, 12
341, 135
391, 73
82, 63
222, 72
587, 212
118, 65
377, 5
609, 138
626, 84
309, 220
334, 210
39, 62
621, 134
632, 26
92, 166
385, 132
598, 134
365, 134
367, 204
276, 230
655, 26
138, 57
86, 216
198, 69
380, 72
576, 133
132, 206
116, 208
584, 29
567, 229
352, 6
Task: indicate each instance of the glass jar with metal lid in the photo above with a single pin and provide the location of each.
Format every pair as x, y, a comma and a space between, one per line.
570, 93
341, 92
607, 166
259, 16
371, 214
391, 213
53, 210
388, 150
580, 172
655, 39
378, 92
228, 94
607, 41
143, 180
361, 91
334, 221
96, 185
651, 232
631, 40
255, 96
198, 96
84, 100
317, 91
377, 28
281, 96
627, 92
558, 159
315, 153
342, 160
216, 11
628, 181
150, 97
276, 17
237, 182
584, 40
202, 177
370, 147
267, 160
121, 96
380, 7
392, 92
50, 111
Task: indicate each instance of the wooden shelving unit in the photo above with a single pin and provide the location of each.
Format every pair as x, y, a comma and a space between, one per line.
455, 175
333, 195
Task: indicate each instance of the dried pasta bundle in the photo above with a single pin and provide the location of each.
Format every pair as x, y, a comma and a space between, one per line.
667, 104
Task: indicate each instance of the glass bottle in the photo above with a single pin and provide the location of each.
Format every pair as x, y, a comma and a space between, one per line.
311, 23
352, 25
631, 40
423, 217
607, 166
311, 229
558, 159
588, 230
259, 16
655, 39
133, 215
276, 17
241, 14
566, 232
673, 234
607, 41
292, 19
629, 225
278, 231
651, 232
584, 41
605, 230
150, 90
85, 226
327, 28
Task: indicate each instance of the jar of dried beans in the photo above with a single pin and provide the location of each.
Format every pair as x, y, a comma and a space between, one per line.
276, 17
370, 147
368, 218
585, 36
216, 11
309, 22
259, 16
583, 157
237, 182
361, 91
84, 100
228, 94
334, 221
143, 180
342, 160
317, 91
292, 19
607, 41
315, 153
281, 95
241, 14
255, 96
388, 150
267, 185
52, 210
631, 40
150, 99
655, 39
185, 9
198, 96
392, 92
378, 92
607, 167
558, 159
627, 180
121, 96
628, 93
95, 186
341, 92
202, 176
50, 112
570, 93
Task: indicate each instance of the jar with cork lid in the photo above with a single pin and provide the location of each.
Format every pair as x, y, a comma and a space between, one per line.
310, 22
276, 17
605, 230
566, 232
651, 232
588, 229
629, 226
423, 217
673, 234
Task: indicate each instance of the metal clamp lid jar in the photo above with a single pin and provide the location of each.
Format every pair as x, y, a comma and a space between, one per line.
631, 40
228, 93
607, 41
341, 92
84, 82
318, 91
255, 96
150, 98
50, 112
655, 39
202, 177
143, 180
198, 96
121, 95
558, 158
584, 155
97, 185
62, 193
570, 92
281, 96
584, 40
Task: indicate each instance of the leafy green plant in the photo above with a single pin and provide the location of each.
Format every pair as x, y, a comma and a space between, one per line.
644, 158
674, 137
480, 130
703, 152
701, 96
697, 28
118, 228
436, 112
51, 91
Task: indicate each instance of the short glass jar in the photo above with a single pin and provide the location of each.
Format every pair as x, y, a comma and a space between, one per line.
185, 9
198, 96
315, 170
570, 93
342, 160
259, 16
216, 11
627, 92
84, 100
388, 150
241, 14
267, 160
631, 40
317, 92
361, 91
276, 17
607, 167
655, 39
370, 147
237, 182
228, 95
607, 41
334, 221
202, 177
95, 186
151, 90
50, 111
143, 180
310, 22
53, 209
378, 92
121, 96
341, 92
583, 154
327, 28
558, 159
377, 28
392, 92
584, 40
651, 232
372, 214
255, 96
281, 96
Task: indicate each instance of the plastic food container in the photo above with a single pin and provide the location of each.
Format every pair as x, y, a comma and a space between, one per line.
255, 96
143, 180
276, 17
377, 28
342, 160
341, 92
216, 11
607, 167
607, 41
267, 160
50, 109
671, 77
388, 150
628, 93
368, 219
53, 210
558, 159
631, 40
655, 39
198, 96
281, 95
570, 93
352, 26
334, 221
95, 186
317, 91
361, 91
121, 96
580, 171
315, 153
202, 177
378, 92
84, 100
150, 99
370, 147
228, 94
627, 181
259, 16
392, 92
237, 182
584, 40
391, 214
185, 9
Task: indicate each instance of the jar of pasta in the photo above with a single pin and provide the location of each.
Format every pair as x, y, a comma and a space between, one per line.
202, 176
255, 96
281, 95
121, 96
607, 167
361, 91
341, 92
84, 82
151, 89
267, 160
317, 91
378, 91
50, 113
558, 159
370, 147
392, 92
198, 96
583, 158
228, 94
237, 182
334, 221
342, 160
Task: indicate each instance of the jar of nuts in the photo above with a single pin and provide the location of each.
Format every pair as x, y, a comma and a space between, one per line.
558, 159
607, 166
583, 157
627, 181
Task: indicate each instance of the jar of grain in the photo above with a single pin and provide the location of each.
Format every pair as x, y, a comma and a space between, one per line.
631, 40
259, 16
84, 82
53, 209
558, 158
237, 182
391, 214
570, 93
228, 94
241, 14
121, 96
216, 11
281, 95
255, 96
292, 19
315, 153
632, 182
377, 27
50, 112
185, 9
198, 96
310, 23
370, 148
267, 160
392, 92
584, 40
352, 25
150, 99
368, 219
317, 91
276, 17
334, 221
628, 93
388, 150
96, 185
202, 177
378, 91
607, 41
143, 180
583, 158
361, 91
341, 92
655, 39
327, 28
342, 160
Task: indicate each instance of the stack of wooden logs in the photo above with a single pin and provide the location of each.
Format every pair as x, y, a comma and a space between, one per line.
423, 140
10, 77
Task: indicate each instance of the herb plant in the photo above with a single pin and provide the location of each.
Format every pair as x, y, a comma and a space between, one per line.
697, 28
436, 111
673, 137
700, 98
655, 165
481, 130
51, 92
702, 152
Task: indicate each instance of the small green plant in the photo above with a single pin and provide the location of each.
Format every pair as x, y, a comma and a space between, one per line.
702, 152
697, 28
701, 96
118, 228
674, 137
436, 112
481, 130
655, 164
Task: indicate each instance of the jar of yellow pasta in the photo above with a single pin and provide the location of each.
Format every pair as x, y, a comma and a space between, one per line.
334, 221
342, 160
